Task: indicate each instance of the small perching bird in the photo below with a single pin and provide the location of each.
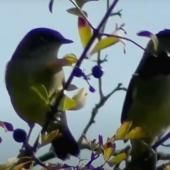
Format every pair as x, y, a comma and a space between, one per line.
33, 71
147, 102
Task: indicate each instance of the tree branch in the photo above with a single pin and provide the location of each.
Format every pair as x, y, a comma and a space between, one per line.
95, 110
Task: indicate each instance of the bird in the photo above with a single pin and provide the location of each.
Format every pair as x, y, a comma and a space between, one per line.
35, 65
147, 101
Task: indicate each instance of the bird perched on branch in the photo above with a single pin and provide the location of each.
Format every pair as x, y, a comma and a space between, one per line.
147, 102
33, 72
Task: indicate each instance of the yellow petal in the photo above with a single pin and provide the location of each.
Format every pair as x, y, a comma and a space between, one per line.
107, 153
80, 99
104, 43
108, 149
67, 103
70, 59
123, 130
136, 133
85, 31
56, 65
118, 158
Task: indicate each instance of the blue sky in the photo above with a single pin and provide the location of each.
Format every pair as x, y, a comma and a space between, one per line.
20, 16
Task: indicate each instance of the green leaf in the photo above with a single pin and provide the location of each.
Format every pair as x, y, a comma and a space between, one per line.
42, 92
104, 43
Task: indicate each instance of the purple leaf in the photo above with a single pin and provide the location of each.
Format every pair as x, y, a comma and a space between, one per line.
8, 126
100, 137
145, 33
51, 5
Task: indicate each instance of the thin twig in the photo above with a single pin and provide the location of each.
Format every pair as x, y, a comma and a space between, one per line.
124, 38
108, 4
163, 156
161, 140
95, 110
99, 57
100, 79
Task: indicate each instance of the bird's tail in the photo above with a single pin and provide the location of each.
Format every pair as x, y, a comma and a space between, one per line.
143, 157
64, 144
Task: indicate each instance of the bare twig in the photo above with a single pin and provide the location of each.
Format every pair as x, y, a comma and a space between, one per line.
161, 140
163, 156
100, 79
103, 98
95, 110
124, 38
107, 4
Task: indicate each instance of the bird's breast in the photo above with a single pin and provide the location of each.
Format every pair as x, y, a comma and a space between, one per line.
150, 108
29, 88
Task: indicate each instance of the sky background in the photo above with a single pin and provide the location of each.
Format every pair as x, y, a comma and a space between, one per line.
20, 16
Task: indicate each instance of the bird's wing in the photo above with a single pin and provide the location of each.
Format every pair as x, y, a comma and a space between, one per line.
128, 100
149, 67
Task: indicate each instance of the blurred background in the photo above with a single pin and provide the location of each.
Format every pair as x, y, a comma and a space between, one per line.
20, 16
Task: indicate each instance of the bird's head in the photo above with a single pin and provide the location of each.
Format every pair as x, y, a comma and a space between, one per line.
160, 42
40, 40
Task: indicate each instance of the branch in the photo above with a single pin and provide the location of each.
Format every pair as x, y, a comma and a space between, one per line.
124, 38
163, 156
95, 110
54, 108
161, 140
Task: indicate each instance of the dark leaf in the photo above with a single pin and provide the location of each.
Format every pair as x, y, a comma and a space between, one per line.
8, 126
144, 33
51, 5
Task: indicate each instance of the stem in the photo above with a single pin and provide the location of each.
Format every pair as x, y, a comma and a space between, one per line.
54, 108
124, 38
96, 108
162, 140
100, 79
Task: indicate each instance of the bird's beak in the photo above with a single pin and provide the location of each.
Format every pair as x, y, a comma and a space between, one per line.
66, 41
